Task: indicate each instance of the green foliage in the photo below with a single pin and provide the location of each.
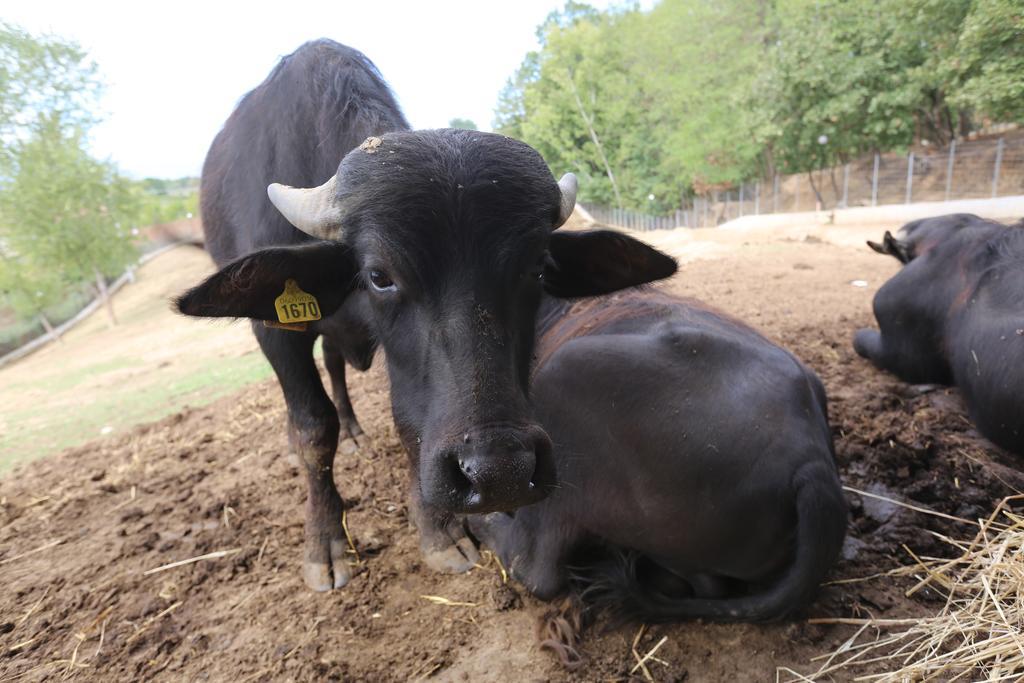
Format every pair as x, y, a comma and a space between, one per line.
988, 61
42, 75
630, 102
694, 62
464, 124
844, 78
161, 200
698, 95
65, 214
27, 287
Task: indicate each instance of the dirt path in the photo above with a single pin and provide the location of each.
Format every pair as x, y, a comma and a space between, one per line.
79, 531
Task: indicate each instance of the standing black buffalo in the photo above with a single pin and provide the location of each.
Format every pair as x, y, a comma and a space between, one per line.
444, 239
695, 466
954, 314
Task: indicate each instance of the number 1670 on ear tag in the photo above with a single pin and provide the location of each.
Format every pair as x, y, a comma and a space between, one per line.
295, 305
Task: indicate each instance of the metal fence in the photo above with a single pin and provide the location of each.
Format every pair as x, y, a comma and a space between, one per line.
975, 169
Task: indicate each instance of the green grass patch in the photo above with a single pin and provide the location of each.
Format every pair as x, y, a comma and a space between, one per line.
30, 434
71, 379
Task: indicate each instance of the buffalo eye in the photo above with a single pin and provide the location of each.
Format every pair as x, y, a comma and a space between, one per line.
382, 282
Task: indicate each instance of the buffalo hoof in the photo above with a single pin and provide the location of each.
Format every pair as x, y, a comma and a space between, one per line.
356, 444
323, 576
352, 439
457, 558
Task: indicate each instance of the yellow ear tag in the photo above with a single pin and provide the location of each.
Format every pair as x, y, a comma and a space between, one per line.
295, 305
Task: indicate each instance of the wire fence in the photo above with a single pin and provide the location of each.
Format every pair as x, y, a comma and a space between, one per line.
975, 169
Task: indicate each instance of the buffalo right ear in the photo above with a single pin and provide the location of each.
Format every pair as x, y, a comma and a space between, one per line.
249, 286
595, 262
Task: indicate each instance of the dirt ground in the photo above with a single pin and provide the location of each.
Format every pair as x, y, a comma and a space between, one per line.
80, 533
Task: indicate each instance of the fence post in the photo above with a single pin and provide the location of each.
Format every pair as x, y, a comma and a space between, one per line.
705, 212
775, 194
910, 177
846, 185
874, 183
995, 173
757, 198
742, 185
949, 169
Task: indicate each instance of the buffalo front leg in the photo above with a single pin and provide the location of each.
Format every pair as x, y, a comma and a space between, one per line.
313, 432
443, 541
351, 436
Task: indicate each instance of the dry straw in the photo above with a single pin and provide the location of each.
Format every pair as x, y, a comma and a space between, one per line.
978, 635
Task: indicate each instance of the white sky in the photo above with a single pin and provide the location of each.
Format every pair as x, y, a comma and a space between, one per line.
175, 70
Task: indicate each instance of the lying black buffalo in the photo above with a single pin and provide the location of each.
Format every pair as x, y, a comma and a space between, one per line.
444, 239
695, 466
954, 314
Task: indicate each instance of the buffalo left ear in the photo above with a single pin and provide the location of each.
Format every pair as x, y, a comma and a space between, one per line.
892, 247
249, 286
596, 262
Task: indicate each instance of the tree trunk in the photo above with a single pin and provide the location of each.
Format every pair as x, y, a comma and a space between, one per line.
835, 186
597, 143
810, 176
50, 331
101, 288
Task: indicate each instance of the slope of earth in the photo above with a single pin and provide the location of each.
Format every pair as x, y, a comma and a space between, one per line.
80, 533
101, 379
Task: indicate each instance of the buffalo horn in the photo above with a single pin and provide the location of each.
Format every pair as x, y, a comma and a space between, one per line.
568, 187
312, 210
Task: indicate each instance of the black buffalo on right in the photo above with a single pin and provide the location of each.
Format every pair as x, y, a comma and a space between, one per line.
954, 315
697, 478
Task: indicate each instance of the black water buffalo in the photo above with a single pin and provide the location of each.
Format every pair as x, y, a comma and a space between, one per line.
318, 104
446, 238
695, 466
954, 314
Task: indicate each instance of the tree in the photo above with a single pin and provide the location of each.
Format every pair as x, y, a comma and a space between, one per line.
42, 75
631, 103
988, 60
568, 100
29, 290
695, 63
846, 78
464, 124
697, 95
64, 212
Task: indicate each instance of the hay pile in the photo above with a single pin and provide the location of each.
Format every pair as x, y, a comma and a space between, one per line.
979, 633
